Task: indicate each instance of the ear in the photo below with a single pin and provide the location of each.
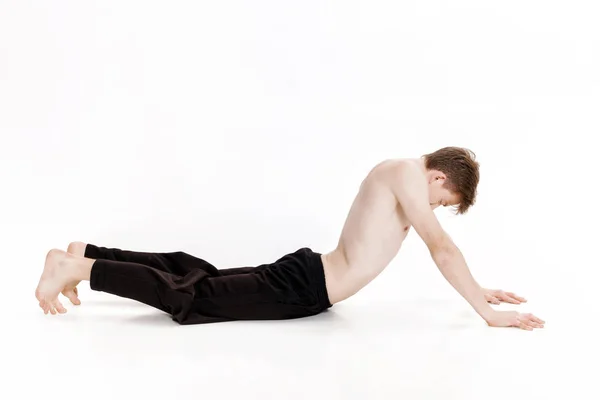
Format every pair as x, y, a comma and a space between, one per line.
437, 176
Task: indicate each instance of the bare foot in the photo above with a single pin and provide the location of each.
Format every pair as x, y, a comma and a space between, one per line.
70, 290
59, 271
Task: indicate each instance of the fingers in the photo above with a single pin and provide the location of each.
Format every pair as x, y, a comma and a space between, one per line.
528, 325
525, 327
492, 299
535, 321
507, 299
518, 298
529, 321
538, 320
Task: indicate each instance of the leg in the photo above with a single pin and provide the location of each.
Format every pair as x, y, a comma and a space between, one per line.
197, 297
159, 289
292, 287
193, 298
239, 270
177, 262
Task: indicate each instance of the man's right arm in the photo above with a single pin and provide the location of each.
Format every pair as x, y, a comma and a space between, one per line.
411, 190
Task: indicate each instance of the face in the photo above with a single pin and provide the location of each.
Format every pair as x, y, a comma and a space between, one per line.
438, 194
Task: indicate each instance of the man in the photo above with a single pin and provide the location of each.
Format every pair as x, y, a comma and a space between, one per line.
395, 195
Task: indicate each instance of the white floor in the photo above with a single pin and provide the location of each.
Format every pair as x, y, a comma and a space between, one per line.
406, 348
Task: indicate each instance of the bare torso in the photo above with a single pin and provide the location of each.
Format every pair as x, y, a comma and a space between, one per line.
371, 237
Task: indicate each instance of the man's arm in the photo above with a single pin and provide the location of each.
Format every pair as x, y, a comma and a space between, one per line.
411, 191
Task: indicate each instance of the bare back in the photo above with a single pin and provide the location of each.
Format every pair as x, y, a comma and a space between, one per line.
371, 237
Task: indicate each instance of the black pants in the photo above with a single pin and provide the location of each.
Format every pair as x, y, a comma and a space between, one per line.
194, 291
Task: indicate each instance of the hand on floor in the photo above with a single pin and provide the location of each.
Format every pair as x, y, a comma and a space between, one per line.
500, 296
515, 319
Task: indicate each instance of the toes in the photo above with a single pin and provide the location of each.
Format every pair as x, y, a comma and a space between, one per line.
59, 307
53, 307
72, 296
75, 300
45, 307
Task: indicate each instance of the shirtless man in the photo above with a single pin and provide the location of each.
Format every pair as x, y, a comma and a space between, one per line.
395, 195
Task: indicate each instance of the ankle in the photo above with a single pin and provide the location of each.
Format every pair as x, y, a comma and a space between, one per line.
78, 268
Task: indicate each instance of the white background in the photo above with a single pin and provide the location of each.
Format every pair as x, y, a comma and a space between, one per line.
239, 131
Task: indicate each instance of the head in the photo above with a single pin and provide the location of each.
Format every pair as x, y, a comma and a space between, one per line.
453, 176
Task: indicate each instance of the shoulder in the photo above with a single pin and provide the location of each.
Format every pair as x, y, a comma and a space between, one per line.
399, 171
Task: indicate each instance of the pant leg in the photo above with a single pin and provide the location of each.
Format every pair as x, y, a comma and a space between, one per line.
177, 262
198, 297
157, 288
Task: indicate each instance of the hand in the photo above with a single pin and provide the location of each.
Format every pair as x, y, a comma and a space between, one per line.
499, 296
514, 319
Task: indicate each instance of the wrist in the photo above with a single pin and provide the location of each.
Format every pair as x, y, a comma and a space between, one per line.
488, 315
